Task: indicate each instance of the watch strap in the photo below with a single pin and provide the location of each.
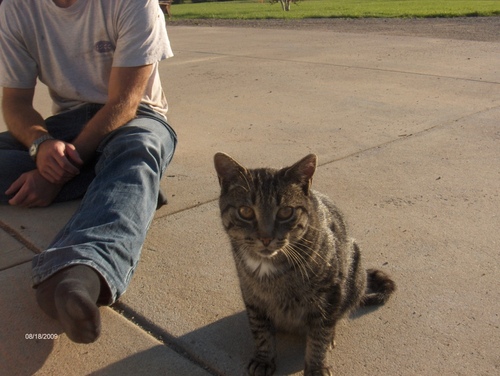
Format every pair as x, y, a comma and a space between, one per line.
34, 146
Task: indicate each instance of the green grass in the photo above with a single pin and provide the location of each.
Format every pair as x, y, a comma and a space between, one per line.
262, 9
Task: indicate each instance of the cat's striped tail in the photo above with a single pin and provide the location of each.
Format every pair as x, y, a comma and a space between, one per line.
379, 287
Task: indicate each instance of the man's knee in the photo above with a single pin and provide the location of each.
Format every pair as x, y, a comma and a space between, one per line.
142, 137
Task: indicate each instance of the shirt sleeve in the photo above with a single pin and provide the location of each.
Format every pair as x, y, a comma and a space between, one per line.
18, 69
142, 35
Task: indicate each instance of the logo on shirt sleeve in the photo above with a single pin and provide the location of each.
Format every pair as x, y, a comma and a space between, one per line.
104, 46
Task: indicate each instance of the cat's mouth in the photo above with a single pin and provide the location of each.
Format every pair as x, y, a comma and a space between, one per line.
268, 253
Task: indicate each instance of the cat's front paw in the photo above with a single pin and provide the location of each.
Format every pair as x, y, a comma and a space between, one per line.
261, 368
326, 371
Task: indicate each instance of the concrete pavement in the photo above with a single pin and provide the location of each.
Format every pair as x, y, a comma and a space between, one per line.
408, 138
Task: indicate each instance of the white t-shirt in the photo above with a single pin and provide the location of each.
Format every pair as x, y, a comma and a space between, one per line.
72, 50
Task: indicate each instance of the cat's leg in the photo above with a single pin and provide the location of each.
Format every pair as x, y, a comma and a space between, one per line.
263, 360
320, 338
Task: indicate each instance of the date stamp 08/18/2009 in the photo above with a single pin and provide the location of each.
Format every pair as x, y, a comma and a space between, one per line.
41, 336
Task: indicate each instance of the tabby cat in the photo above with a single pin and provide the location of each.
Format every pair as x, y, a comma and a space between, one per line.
298, 269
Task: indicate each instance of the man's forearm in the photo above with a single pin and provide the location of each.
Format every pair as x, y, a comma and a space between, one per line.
126, 86
109, 118
23, 121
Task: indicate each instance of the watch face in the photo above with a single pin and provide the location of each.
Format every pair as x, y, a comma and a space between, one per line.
33, 150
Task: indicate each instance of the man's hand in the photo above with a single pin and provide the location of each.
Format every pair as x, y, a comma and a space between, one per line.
58, 161
31, 189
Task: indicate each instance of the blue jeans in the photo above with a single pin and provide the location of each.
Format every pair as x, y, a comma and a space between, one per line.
119, 188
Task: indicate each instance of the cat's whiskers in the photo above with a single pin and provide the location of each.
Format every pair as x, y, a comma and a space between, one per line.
258, 265
242, 251
296, 259
309, 261
303, 255
306, 246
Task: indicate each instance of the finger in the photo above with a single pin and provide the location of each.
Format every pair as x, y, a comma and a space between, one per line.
63, 167
56, 159
58, 172
19, 198
55, 178
49, 168
73, 155
50, 174
30, 201
14, 187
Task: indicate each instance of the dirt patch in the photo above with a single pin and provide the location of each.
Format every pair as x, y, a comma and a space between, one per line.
463, 28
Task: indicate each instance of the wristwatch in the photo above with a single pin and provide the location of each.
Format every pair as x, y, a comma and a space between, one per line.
34, 146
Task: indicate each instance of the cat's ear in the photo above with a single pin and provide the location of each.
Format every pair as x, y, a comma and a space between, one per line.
303, 171
228, 170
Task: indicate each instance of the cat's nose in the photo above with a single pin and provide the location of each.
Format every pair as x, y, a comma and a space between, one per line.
266, 241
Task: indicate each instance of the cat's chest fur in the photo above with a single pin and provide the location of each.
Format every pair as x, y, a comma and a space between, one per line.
284, 301
285, 294
260, 268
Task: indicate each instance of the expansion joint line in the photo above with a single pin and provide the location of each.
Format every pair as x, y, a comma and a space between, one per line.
161, 335
411, 135
346, 66
19, 237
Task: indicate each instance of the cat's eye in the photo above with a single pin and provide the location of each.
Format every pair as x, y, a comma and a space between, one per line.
285, 213
246, 213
